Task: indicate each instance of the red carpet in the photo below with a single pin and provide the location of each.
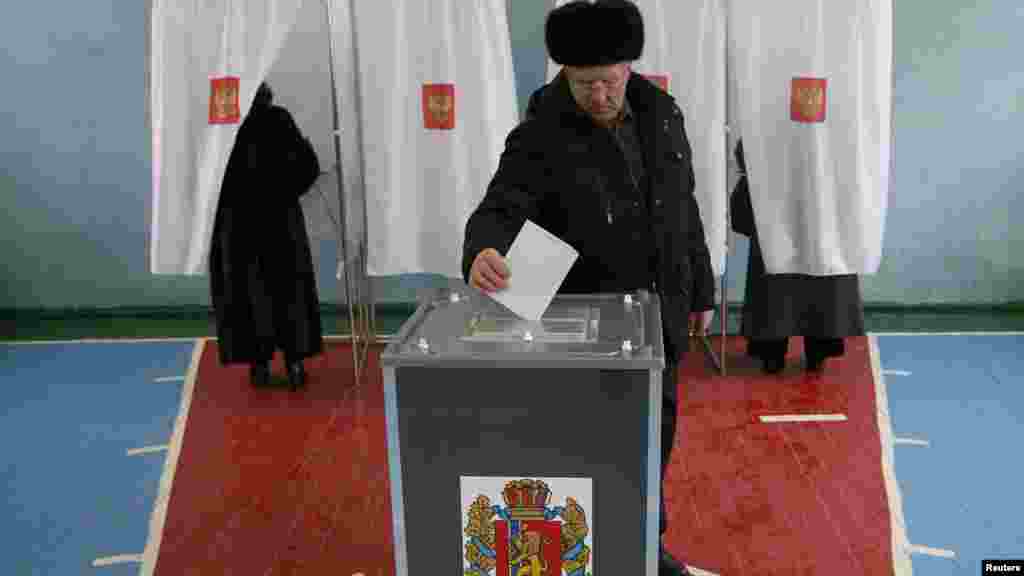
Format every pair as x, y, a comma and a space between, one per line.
746, 497
271, 482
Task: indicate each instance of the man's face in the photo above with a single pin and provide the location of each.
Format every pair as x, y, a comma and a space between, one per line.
599, 90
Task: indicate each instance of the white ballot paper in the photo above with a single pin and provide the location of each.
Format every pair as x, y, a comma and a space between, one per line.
539, 263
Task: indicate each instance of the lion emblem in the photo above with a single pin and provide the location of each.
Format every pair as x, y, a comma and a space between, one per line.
531, 531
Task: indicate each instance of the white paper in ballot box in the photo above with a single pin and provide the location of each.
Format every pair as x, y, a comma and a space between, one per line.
538, 262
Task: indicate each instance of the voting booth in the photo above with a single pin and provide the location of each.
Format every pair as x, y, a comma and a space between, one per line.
526, 447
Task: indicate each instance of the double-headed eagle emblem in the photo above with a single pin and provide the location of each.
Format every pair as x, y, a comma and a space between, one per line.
440, 106
808, 99
224, 101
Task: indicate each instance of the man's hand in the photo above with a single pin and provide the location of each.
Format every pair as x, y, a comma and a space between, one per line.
489, 272
700, 322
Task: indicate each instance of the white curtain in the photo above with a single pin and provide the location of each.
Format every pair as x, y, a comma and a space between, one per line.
192, 43
819, 189
685, 42
413, 186
301, 80
421, 183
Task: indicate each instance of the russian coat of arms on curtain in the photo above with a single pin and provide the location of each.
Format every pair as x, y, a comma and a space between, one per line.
224, 101
439, 106
808, 100
527, 527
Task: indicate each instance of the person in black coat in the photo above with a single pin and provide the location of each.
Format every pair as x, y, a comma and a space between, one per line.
822, 309
262, 279
602, 161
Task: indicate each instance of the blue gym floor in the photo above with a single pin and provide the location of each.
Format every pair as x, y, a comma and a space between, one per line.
73, 411
961, 491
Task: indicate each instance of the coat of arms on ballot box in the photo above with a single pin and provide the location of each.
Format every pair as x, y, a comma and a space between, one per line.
527, 527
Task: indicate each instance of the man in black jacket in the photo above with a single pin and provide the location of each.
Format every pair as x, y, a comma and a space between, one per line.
603, 162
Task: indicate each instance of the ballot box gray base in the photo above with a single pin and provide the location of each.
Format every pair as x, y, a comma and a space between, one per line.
469, 409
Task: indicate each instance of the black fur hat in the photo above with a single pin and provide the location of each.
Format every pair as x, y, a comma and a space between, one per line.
597, 33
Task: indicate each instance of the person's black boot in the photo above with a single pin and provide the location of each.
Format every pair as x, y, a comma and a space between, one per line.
773, 364
818, 351
259, 374
296, 375
816, 364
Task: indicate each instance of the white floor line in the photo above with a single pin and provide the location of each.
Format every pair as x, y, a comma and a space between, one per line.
103, 341
910, 442
159, 515
781, 418
147, 450
896, 373
699, 572
115, 560
902, 565
927, 551
170, 379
